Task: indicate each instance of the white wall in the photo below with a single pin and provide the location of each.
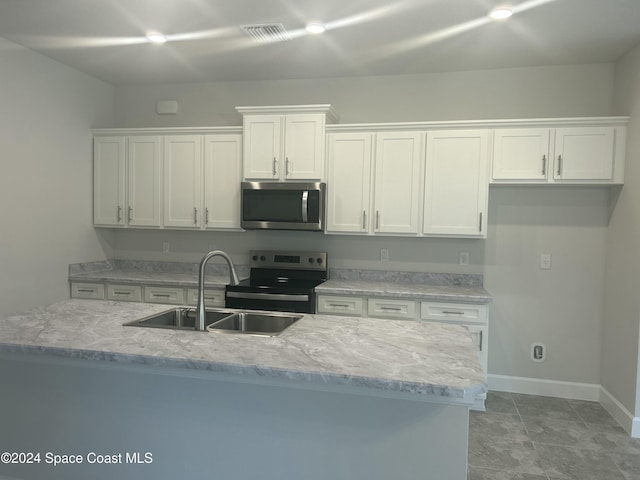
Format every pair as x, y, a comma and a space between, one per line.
46, 182
620, 362
579, 90
561, 307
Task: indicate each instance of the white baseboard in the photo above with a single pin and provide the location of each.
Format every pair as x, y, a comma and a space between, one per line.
571, 390
618, 411
548, 388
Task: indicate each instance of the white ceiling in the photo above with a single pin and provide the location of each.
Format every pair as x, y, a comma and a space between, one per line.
106, 38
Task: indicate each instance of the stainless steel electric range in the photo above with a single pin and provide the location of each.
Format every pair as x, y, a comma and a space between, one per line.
280, 280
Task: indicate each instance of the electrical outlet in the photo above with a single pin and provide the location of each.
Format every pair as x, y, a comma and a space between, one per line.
166, 247
463, 258
384, 254
538, 352
545, 261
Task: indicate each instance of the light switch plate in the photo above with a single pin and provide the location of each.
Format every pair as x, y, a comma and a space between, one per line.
545, 261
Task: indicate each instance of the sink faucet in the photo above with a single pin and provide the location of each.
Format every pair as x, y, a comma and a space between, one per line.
233, 280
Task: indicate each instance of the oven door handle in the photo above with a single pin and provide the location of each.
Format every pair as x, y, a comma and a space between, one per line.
289, 297
305, 206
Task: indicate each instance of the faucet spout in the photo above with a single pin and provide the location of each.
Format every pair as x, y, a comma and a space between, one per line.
233, 280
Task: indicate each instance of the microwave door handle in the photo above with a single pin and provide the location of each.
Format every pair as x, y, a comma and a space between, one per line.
305, 206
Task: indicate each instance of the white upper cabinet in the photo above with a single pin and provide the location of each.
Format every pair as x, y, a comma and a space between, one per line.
584, 153
521, 154
374, 190
222, 177
109, 180
349, 182
284, 143
397, 182
144, 179
456, 183
183, 181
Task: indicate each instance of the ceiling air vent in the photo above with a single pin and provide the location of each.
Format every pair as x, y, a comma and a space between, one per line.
267, 33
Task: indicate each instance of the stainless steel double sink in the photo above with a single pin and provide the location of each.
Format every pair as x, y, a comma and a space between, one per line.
220, 321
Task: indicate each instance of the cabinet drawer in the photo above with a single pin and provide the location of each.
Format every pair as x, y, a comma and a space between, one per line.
128, 293
453, 312
386, 308
164, 295
213, 297
87, 290
341, 305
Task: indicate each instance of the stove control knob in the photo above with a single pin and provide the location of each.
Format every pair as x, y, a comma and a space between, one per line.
254, 258
262, 257
319, 260
310, 260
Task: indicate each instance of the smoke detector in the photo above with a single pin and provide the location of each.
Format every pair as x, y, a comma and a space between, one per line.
267, 32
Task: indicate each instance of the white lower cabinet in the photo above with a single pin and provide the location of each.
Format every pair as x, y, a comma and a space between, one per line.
164, 295
341, 305
388, 308
127, 293
87, 290
213, 297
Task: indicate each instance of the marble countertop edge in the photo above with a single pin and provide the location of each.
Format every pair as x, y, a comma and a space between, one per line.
260, 373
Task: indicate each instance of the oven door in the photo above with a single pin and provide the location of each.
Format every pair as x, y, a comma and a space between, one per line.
283, 206
279, 302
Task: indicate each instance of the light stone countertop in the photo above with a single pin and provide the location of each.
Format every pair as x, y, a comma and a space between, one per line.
416, 291
430, 361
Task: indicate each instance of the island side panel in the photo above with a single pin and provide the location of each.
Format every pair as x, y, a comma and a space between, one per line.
199, 427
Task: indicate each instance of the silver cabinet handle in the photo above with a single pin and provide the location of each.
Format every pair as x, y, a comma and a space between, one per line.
119, 214
130, 214
195, 216
339, 305
544, 164
161, 295
480, 223
450, 312
87, 290
480, 346
559, 164
391, 309
364, 219
286, 167
377, 219
305, 206
206, 217
275, 171
121, 293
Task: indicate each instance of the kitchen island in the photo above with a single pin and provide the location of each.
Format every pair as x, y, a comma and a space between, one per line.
331, 397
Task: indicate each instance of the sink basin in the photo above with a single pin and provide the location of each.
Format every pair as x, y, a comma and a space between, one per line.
182, 318
266, 324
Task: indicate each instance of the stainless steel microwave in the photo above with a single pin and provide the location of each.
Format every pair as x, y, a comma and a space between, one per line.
283, 205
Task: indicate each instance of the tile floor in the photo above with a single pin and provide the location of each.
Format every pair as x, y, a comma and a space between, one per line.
527, 437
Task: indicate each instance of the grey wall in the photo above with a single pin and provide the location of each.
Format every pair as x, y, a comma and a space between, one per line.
620, 360
46, 181
561, 307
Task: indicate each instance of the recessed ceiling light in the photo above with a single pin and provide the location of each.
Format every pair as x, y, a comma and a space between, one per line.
501, 13
315, 28
155, 37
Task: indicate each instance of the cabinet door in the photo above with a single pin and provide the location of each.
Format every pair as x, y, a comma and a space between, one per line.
521, 154
397, 182
262, 146
109, 181
584, 153
349, 182
222, 177
144, 179
183, 181
456, 184
304, 147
